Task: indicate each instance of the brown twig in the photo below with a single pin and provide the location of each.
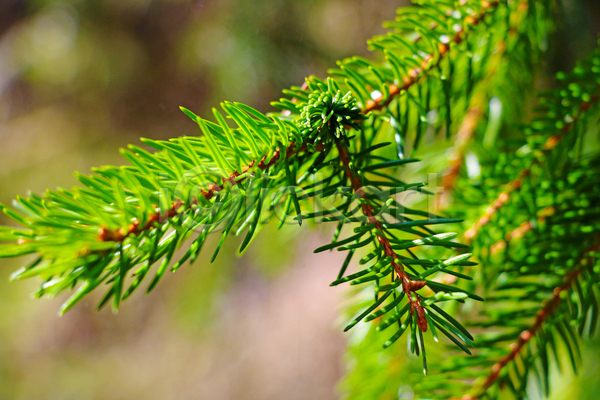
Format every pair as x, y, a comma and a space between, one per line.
475, 111
500, 201
408, 285
427, 64
135, 228
525, 336
457, 157
521, 230
554, 140
503, 197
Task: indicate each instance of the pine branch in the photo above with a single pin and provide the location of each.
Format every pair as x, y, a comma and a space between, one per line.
522, 230
496, 205
327, 157
432, 60
494, 77
543, 314
524, 274
516, 184
235, 178
124, 214
538, 271
457, 157
408, 286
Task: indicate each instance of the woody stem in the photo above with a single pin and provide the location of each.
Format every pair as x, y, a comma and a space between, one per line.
408, 285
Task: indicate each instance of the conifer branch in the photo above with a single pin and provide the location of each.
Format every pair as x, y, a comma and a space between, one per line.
457, 156
516, 184
498, 203
546, 311
235, 178
553, 141
408, 286
128, 218
521, 230
331, 141
431, 61
476, 108
533, 267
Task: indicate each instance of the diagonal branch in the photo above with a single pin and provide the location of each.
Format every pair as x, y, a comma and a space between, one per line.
504, 197
135, 228
457, 157
543, 314
428, 63
475, 110
498, 203
521, 230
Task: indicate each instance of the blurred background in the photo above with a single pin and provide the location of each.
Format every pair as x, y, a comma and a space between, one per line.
80, 79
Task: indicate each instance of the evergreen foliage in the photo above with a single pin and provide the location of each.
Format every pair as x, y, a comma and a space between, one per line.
528, 205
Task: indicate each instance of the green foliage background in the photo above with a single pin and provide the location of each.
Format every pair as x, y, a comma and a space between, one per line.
80, 79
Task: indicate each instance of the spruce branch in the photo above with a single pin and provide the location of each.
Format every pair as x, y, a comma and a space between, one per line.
503, 198
433, 60
496, 205
514, 336
328, 156
235, 178
133, 211
494, 77
540, 267
522, 230
583, 263
457, 157
408, 286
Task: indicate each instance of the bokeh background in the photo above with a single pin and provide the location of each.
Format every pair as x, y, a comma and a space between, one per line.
80, 79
